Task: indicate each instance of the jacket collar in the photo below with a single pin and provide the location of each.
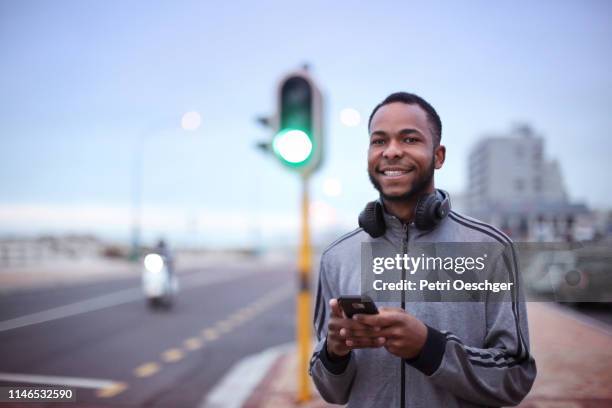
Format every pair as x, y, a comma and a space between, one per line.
396, 230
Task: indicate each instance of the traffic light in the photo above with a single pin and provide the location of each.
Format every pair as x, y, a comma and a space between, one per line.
298, 140
298, 143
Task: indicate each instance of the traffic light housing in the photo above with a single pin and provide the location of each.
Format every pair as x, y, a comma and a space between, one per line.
298, 140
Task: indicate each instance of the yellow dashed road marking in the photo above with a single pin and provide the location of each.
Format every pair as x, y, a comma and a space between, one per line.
242, 315
246, 313
112, 390
225, 326
258, 308
236, 319
210, 334
172, 355
146, 370
193, 343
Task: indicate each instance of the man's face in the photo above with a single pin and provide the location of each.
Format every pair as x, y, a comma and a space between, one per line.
401, 156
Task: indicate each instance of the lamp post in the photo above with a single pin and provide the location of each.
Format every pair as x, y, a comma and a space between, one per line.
190, 121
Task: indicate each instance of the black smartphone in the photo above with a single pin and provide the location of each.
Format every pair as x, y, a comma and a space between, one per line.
352, 305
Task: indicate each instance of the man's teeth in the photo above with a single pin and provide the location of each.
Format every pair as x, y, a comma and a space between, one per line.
395, 172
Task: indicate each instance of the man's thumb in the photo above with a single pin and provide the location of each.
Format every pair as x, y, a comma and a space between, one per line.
335, 308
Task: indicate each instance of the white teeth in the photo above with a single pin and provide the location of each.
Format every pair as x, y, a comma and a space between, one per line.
394, 172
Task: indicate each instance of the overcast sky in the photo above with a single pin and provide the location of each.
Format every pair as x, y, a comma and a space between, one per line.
84, 81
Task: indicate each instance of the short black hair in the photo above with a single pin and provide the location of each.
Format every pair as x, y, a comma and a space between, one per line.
435, 124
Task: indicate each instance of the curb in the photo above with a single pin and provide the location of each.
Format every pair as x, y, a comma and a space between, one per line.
238, 384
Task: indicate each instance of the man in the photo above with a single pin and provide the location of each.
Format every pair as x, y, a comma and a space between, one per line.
164, 251
425, 354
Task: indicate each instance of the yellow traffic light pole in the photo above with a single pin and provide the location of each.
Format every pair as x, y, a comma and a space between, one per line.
298, 143
303, 320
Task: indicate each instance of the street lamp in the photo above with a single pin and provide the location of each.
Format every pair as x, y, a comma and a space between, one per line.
190, 121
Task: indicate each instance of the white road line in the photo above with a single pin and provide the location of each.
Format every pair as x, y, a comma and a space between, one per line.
109, 300
234, 389
53, 380
97, 303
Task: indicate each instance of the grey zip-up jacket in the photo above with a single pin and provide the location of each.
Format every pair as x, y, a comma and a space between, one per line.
476, 353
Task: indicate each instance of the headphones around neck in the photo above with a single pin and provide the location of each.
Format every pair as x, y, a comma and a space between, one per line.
429, 211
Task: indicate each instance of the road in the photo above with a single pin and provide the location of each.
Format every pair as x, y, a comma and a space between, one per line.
102, 338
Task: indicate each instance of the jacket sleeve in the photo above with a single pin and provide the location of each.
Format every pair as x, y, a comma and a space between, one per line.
333, 379
499, 373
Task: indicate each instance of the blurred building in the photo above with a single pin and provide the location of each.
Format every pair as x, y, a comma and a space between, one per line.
27, 251
512, 184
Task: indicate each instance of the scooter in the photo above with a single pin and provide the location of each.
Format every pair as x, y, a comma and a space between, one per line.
158, 284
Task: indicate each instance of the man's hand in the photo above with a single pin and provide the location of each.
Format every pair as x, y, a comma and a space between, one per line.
405, 334
345, 334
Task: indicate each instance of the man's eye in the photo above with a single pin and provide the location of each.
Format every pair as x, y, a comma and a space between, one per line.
410, 139
377, 141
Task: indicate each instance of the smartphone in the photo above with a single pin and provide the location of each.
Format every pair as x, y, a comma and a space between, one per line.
352, 305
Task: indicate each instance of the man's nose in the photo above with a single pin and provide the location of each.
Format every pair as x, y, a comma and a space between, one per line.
393, 151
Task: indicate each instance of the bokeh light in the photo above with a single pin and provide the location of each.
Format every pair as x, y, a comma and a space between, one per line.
332, 187
191, 121
350, 117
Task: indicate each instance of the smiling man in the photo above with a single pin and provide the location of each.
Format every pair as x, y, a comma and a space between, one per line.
416, 353
404, 151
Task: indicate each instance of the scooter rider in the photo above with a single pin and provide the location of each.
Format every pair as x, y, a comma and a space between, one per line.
163, 250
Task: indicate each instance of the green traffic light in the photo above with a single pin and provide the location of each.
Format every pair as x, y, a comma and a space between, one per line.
297, 142
293, 146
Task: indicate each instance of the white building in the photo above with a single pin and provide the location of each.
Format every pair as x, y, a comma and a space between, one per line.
511, 183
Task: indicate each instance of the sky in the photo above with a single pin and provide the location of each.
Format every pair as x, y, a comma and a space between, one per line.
90, 88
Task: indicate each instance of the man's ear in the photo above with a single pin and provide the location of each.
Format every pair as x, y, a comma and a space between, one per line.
439, 156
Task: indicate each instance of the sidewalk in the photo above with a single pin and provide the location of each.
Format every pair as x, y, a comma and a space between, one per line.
574, 360
279, 388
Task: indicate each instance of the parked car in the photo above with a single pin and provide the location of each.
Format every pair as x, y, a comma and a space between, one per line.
571, 276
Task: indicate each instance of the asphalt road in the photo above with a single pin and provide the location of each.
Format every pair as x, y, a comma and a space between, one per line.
137, 357
103, 340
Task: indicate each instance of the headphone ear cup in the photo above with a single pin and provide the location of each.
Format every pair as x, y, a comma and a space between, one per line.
444, 208
425, 212
372, 221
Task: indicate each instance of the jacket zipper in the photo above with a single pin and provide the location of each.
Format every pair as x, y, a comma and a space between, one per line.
402, 362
